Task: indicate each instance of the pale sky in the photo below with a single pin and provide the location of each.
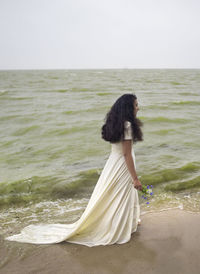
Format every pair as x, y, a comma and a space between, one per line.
81, 34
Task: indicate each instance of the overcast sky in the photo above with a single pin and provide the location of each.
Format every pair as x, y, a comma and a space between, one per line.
48, 34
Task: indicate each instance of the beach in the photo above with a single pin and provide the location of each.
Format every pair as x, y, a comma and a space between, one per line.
52, 154
167, 241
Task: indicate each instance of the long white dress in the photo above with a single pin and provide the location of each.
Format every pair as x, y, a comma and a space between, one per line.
112, 213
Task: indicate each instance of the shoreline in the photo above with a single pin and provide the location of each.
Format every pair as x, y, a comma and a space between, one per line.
167, 241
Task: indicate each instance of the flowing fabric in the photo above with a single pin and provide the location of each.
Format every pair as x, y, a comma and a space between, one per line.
112, 213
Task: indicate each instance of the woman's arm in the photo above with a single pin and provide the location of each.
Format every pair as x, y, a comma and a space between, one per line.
127, 148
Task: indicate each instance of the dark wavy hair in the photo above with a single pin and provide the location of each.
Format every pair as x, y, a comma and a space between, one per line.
121, 111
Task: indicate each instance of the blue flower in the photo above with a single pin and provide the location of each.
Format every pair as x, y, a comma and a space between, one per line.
148, 186
147, 203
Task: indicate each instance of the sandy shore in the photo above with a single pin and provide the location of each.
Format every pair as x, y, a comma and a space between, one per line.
165, 242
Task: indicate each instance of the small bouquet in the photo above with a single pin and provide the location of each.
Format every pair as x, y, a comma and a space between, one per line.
147, 192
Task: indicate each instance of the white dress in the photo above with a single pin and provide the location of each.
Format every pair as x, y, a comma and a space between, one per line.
112, 213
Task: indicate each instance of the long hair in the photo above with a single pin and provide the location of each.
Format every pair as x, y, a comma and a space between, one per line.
121, 111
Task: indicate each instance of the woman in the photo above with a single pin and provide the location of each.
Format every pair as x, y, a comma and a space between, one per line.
113, 211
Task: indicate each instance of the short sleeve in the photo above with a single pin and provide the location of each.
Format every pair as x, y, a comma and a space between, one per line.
127, 131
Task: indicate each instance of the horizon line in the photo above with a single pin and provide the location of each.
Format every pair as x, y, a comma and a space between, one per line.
122, 68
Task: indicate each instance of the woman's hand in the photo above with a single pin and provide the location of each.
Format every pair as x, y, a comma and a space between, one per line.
137, 184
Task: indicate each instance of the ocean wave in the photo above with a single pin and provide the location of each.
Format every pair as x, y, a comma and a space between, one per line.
186, 184
3, 91
161, 119
170, 175
192, 103
84, 111
174, 83
104, 93
163, 132
23, 131
44, 188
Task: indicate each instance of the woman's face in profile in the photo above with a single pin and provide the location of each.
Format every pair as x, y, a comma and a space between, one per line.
135, 107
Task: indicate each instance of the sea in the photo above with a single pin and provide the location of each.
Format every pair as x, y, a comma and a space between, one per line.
52, 152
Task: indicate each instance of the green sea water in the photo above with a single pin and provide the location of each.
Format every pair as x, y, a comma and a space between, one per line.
52, 153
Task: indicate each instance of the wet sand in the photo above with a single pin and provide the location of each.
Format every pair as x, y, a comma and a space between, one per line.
165, 242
